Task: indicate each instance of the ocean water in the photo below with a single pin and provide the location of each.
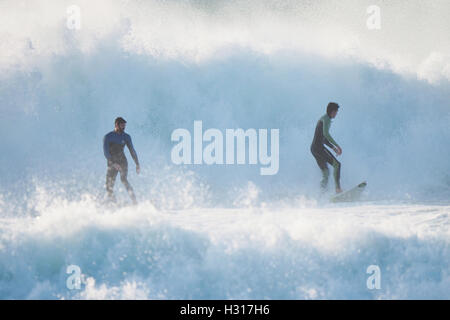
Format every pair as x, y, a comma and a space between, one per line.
224, 231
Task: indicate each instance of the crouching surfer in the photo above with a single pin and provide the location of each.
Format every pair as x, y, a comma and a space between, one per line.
323, 155
113, 147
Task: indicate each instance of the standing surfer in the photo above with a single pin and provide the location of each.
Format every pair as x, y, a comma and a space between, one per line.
323, 155
113, 145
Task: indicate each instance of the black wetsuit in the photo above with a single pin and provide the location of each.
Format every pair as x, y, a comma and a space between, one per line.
113, 146
322, 154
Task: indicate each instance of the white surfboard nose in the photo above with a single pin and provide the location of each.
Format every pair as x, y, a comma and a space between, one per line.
350, 195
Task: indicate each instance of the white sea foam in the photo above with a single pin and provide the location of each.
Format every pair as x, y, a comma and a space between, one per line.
142, 253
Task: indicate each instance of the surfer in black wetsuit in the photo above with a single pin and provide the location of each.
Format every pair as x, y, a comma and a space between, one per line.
113, 145
323, 155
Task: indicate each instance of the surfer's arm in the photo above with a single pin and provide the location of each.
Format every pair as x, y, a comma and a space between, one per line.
328, 143
132, 151
326, 133
106, 147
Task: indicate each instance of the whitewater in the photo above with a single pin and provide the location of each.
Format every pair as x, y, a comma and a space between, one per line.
224, 231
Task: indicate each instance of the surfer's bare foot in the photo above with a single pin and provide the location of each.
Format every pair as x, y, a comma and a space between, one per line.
338, 190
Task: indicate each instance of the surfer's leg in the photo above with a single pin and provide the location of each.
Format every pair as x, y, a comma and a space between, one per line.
337, 169
325, 175
123, 178
321, 160
337, 174
111, 175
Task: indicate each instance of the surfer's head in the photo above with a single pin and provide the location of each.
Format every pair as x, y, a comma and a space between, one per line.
119, 124
332, 109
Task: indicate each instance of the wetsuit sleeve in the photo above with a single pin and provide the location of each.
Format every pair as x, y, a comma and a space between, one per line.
106, 147
326, 132
132, 151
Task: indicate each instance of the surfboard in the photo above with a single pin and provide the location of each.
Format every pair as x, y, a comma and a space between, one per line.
350, 195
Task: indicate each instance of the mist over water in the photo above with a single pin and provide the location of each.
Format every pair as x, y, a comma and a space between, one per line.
232, 64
